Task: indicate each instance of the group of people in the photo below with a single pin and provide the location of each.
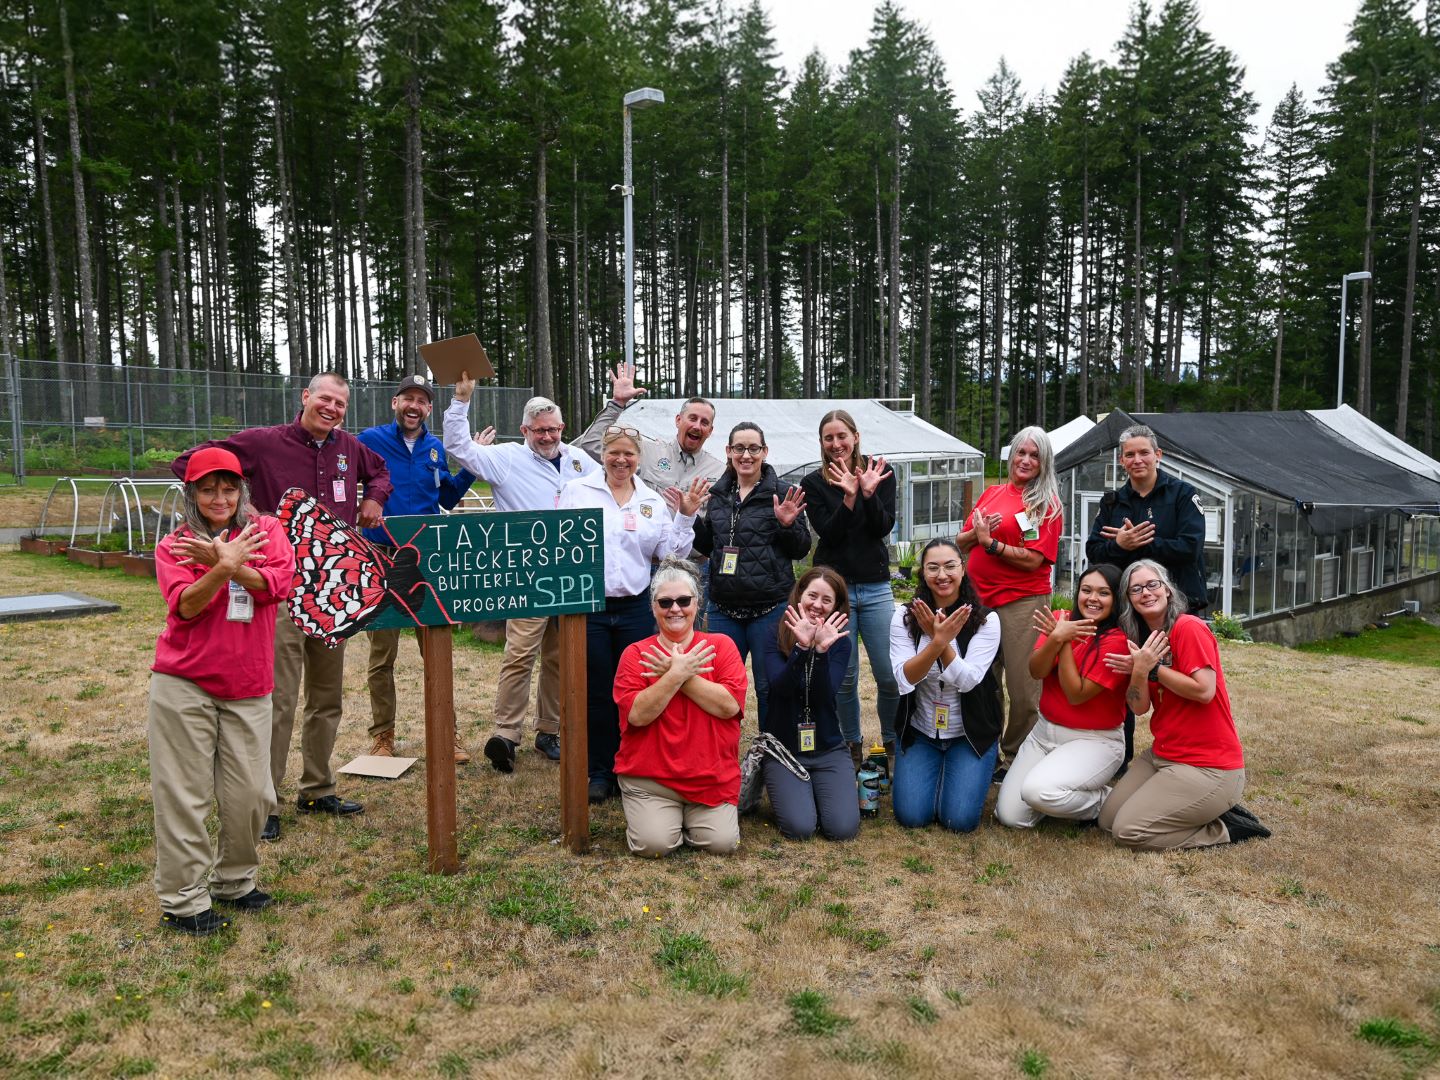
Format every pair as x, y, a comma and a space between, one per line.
700, 576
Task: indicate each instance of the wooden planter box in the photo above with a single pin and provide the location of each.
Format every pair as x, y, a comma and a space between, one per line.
138, 565
101, 560
37, 546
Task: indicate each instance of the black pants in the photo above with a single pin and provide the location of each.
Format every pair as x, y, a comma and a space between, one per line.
608, 633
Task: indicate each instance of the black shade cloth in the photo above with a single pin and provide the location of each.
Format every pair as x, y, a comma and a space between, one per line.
1289, 454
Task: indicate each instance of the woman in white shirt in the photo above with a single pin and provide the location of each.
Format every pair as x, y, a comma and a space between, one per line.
639, 529
941, 647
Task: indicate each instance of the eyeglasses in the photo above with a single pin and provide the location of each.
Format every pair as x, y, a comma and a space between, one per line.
546, 432
622, 429
935, 568
746, 451
682, 602
1154, 585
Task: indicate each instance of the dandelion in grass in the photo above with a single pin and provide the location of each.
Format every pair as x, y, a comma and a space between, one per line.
19, 956
265, 1004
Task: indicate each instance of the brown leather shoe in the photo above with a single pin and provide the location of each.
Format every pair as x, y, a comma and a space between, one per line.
462, 756
384, 745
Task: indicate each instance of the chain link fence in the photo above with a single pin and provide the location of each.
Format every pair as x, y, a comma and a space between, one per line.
65, 418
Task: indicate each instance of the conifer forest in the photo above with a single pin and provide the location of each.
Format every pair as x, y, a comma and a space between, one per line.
272, 185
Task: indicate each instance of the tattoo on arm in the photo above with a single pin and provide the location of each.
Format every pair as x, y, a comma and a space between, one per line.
1132, 697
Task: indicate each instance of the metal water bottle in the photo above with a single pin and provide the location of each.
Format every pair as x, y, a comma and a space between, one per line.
868, 781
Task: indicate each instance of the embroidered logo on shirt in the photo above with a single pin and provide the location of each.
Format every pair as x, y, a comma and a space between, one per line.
663, 463
342, 464
575, 464
1196, 500
646, 510
434, 454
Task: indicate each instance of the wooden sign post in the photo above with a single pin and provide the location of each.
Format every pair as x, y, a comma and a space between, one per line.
480, 567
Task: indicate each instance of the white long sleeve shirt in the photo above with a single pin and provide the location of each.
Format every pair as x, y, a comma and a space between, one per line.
942, 686
520, 478
636, 533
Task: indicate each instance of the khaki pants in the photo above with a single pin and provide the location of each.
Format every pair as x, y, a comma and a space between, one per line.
323, 671
384, 648
1158, 805
205, 750
1017, 642
524, 640
657, 820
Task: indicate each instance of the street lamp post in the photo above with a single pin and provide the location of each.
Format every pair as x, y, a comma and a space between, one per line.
635, 99
1360, 275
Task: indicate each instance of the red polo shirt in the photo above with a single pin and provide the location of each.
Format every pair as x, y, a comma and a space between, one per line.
996, 581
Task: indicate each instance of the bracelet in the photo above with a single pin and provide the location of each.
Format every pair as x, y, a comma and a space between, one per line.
993, 548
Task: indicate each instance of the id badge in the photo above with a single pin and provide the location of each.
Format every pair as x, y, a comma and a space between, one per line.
807, 738
557, 498
729, 560
337, 490
1028, 529
242, 604
942, 717
629, 520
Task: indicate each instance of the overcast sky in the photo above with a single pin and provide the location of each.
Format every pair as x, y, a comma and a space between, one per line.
1277, 41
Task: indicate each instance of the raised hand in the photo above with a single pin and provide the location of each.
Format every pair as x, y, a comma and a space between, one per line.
831, 630
1153, 652
982, 523
1130, 537
231, 555
1069, 628
483, 438
787, 511
622, 385
801, 627
698, 661
843, 478
655, 661
465, 387
872, 475
194, 551
948, 626
689, 500
1044, 622
924, 617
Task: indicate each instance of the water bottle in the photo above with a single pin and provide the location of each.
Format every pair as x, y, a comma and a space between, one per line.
868, 781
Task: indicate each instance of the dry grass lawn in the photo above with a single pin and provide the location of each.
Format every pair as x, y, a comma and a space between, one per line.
1047, 954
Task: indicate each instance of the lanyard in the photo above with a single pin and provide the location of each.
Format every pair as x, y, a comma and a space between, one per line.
808, 669
734, 516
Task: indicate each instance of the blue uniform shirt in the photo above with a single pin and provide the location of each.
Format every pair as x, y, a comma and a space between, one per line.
422, 480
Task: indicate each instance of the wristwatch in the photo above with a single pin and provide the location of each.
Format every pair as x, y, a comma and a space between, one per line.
1154, 675
994, 547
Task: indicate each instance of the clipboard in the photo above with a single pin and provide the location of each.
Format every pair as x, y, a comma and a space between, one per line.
447, 359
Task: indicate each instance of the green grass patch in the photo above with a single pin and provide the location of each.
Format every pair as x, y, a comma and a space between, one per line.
842, 926
1033, 1063
690, 963
541, 899
94, 876
810, 1014
1387, 1031
1407, 641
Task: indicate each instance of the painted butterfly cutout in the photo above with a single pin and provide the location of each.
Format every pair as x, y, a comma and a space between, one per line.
342, 581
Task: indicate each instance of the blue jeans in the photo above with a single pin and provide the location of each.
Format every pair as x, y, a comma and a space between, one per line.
608, 633
750, 636
872, 606
941, 780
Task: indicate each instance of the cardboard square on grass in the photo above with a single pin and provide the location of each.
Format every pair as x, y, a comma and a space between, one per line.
447, 359
385, 768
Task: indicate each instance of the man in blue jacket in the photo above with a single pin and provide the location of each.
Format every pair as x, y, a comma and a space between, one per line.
423, 485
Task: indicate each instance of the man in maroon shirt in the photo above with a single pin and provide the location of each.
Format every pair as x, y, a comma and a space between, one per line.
316, 454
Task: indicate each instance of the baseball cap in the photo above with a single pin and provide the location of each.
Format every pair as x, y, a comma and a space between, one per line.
211, 459
415, 382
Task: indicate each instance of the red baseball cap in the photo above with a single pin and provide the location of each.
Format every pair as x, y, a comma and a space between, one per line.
211, 459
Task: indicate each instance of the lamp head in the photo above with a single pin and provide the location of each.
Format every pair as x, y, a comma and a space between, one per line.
644, 98
1359, 275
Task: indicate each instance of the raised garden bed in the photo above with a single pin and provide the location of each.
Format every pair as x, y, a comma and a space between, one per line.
40, 545
139, 565
101, 560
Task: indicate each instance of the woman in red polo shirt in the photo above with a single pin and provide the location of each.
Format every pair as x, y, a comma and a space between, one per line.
1010, 540
681, 697
1079, 741
223, 573
1185, 790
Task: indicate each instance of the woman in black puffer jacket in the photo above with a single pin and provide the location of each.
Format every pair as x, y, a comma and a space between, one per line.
753, 537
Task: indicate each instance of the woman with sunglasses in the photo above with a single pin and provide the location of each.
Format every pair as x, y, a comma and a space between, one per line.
1078, 743
638, 528
753, 536
851, 501
1184, 791
806, 665
681, 696
942, 646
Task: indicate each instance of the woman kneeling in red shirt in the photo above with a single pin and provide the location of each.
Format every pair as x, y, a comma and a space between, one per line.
1185, 790
223, 574
681, 697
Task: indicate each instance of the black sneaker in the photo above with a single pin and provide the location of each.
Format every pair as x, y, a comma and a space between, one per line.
328, 804
998, 776
501, 752
201, 924
271, 832
1243, 825
254, 900
548, 744
601, 789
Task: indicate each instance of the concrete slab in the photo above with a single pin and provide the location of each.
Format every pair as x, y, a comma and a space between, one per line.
60, 605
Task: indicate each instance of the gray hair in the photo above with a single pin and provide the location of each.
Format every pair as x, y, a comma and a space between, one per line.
1138, 431
538, 406
1134, 626
197, 523
674, 569
1041, 495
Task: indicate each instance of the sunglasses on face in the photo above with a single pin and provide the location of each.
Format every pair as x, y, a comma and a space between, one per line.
1146, 586
682, 602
